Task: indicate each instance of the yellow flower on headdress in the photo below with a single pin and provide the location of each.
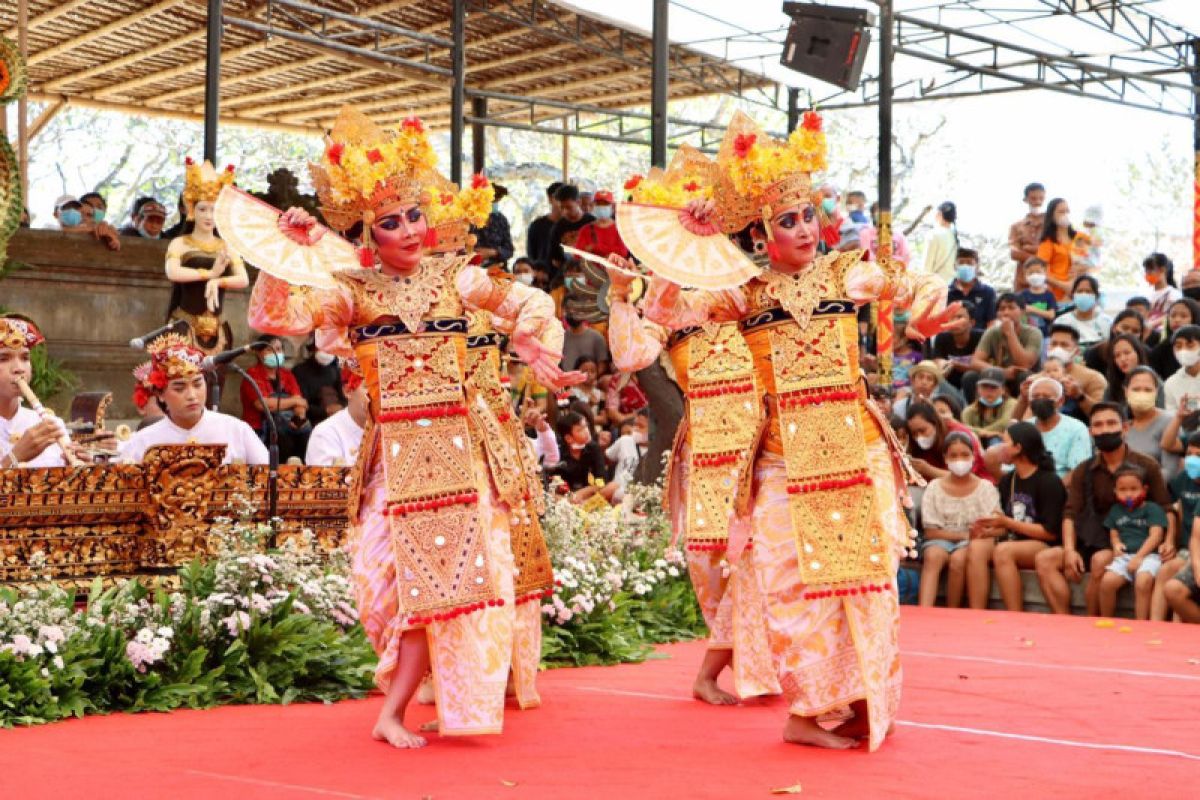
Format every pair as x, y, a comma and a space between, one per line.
690, 176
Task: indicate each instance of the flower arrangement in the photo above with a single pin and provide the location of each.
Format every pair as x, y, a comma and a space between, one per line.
755, 161
359, 164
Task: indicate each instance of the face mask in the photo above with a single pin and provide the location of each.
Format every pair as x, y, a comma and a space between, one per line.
1141, 400
1192, 293
1035, 209
98, 215
1036, 279
1152, 280
993, 403
1085, 302
324, 359
1063, 221
1043, 409
1192, 465
602, 212
273, 360
829, 205
1062, 354
572, 283
965, 273
573, 322
926, 442
960, 467
525, 278
639, 437
70, 217
1187, 358
900, 320
1108, 442
1132, 502
145, 235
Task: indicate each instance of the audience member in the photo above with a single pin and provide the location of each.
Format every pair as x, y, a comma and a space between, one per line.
1148, 422
582, 466
336, 441
868, 239
1176, 585
1085, 314
1011, 345
581, 341
1066, 438
905, 356
1136, 527
1055, 248
1083, 387
1041, 306
1025, 234
68, 212
545, 443
925, 381
1185, 383
1031, 502
587, 201
1190, 284
1160, 274
927, 433
1162, 355
1089, 242
284, 400
968, 286
94, 207
627, 450
991, 413
1128, 322
566, 229
951, 506
948, 407
493, 242
147, 219
319, 376
1127, 355
856, 207
601, 237
522, 271
1086, 548
941, 248
537, 237
952, 349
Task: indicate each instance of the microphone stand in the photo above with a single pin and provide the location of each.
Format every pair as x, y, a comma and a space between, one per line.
272, 453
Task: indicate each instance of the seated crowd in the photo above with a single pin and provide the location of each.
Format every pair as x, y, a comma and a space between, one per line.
1053, 438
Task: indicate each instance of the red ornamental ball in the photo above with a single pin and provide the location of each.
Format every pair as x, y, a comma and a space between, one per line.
811, 121
334, 153
478, 181
743, 143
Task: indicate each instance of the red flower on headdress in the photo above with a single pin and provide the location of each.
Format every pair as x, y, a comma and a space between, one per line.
188, 161
446, 199
691, 186
140, 396
229, 167
374, 156
157, 378
632, 183
413, 124
811, 121
743, 143
478, 181
334, 153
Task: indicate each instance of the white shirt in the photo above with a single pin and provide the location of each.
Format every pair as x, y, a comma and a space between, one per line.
545, 447
1091, 330
626, 454
241, 443
11, 430
1177, 386
334, 442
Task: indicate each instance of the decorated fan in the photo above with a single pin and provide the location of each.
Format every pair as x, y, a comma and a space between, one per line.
13, 74
656, 236
251, 228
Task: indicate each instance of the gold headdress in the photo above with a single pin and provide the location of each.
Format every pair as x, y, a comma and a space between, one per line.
364, 169
171, 357
759, 174
202, 183
17, 332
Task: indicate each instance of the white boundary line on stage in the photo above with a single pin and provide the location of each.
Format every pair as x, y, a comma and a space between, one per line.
1069, 667
274, 784
1122, 748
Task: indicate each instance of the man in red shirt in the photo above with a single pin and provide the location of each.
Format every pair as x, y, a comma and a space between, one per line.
284, 401
600, 237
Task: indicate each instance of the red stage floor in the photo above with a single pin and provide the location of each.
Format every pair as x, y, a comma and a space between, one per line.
995, 705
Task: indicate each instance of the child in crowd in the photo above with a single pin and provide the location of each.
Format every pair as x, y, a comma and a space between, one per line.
991, 413
904, 358
949, 507
1136, 527
948, 407
1053, 367
1041, 307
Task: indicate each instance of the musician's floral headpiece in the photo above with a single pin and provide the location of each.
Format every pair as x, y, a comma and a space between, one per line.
172, 357
364, 169
17, 332
761, 175
202, 183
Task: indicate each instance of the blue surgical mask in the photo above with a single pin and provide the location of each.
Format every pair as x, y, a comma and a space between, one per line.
98, 215
1085, 302
273, 360
965, 273
1192, 465
602, 212
70, 217
829, 205
993, 403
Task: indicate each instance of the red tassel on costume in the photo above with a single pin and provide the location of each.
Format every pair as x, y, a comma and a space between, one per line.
431, 238
772, 251
366, 257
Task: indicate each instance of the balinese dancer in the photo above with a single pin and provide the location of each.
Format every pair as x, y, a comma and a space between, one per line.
27, 438
432, 560
201, 266
715, 372
826, 522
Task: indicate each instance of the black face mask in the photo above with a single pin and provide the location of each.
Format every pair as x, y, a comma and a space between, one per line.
1043, 409
1192, 293
1108, 442
573, 322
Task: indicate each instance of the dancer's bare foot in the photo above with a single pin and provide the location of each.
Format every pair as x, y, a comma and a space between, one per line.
430, 727
806, 731
425, 695
394, 733
706, 689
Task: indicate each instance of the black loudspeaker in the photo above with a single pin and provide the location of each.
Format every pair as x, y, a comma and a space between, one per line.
827, 42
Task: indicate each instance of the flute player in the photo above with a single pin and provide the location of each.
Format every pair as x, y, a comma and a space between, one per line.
27, 439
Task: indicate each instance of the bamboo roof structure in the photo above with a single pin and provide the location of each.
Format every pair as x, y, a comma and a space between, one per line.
148, 57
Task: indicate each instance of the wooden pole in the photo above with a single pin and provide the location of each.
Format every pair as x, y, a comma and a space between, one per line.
566, 153
23, 103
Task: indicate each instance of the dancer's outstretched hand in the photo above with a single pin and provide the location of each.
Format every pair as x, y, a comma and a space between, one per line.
928, 324
301, 227
543, 361
619, 278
